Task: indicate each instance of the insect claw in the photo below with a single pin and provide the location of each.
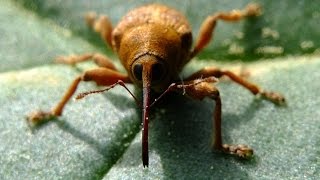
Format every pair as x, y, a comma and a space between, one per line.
38, 117
240, 150
274, 97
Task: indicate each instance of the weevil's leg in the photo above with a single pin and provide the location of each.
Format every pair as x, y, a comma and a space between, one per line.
274, 97
99, 59
205, 89
209, 24
199, 89
239, 150
102, 76
101, 25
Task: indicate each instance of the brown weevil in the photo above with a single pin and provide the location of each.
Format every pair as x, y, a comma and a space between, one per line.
154, 43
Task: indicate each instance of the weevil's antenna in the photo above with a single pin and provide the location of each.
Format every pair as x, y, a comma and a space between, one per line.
84, 94
182, 82
119, 82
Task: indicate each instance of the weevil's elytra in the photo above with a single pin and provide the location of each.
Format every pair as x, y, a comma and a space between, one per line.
153, 43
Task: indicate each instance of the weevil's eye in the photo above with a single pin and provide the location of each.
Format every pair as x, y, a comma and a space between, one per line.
158, 71
137, 71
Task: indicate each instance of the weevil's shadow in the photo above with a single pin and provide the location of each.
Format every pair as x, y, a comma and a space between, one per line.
181, 134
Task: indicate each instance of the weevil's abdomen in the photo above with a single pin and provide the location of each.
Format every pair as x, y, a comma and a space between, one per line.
153, 14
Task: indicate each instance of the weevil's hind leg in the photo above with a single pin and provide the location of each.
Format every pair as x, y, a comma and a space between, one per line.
99, 59
102, 76
274, 97
208, 26
101, 25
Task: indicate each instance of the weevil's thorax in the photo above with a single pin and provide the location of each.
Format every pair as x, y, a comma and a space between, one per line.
156, 31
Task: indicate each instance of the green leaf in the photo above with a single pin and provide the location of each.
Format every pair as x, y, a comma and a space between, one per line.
99, 137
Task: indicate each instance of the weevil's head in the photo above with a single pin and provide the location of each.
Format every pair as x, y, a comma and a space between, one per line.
153, 51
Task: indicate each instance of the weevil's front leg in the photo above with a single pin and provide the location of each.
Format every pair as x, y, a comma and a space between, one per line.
102, 76
101, 25
208, 26
274, 97
199, 89
99, 59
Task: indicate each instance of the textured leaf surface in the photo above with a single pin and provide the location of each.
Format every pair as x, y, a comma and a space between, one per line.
99, 137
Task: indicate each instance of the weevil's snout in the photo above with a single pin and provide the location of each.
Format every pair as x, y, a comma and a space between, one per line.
151, 66
149, 71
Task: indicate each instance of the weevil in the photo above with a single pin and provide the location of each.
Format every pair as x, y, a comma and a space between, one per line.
154, 43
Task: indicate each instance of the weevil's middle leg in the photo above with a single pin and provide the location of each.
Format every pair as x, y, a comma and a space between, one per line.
208, 26
100, 59
274, 97
101, 76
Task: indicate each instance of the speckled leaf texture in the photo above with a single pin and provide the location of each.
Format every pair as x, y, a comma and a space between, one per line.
99, 137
